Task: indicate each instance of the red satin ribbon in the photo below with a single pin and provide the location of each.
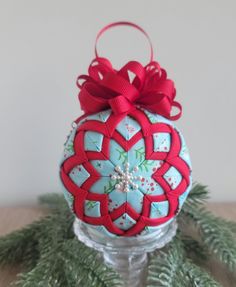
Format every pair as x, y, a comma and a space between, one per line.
132, 85
123, 23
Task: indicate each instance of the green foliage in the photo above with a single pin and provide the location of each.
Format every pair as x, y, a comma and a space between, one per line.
70, 148
71, 264
196, 276
216, 234
109, 188
20, 247
53, 200
194, 249
140, 153
171, 267
197, 196
91, 204
230, 224
122, 155
145, 165
164, 266
53, 257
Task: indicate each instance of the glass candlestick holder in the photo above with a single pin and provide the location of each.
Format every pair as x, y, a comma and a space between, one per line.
126, 255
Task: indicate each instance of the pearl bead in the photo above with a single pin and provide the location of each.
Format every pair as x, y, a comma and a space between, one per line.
126, 178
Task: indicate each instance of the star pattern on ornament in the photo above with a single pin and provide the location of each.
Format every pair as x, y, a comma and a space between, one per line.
126, 178
117, 199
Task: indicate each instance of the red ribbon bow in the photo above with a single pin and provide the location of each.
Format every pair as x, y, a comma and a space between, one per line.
133, 85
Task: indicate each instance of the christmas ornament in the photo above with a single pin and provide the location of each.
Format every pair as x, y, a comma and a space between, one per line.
126, 169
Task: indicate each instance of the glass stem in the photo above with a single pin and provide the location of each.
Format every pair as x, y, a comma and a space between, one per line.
130, 266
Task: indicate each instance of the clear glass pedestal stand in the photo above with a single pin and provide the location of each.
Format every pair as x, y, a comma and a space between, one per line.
126, 255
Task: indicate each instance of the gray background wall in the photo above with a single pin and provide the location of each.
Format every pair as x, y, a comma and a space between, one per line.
45, 44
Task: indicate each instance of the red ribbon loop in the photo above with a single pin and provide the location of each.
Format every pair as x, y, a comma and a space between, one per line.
149, 87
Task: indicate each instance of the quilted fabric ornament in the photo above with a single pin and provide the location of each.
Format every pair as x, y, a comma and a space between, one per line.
126, 169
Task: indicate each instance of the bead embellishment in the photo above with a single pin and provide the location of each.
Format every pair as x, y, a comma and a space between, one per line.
126, 179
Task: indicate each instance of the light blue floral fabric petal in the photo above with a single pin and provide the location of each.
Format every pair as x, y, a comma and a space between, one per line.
159, 209
79, 175
161, 142
173, 177
183, 196
101, 116
136, 154
93, 141
103, 185
116, 199
184, 152
128, 127
68, 146
147, 184
124, 222
118, 156
104, 167
135, 199
68, 196
92, 208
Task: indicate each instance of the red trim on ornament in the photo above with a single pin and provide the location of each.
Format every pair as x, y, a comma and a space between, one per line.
108, 129
102, 198
126, 144
136, 229
124, 208
150, 154
94, 126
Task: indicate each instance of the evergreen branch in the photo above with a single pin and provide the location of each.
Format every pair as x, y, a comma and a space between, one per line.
197, 276
55, 258
70, 264
48, 271
25, 246
171, 267
164, 266
194, 249
230, 224
53, 200
84, 268
197, 196
20, 247
215, 235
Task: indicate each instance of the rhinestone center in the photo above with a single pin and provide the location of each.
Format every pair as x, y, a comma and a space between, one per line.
125, 178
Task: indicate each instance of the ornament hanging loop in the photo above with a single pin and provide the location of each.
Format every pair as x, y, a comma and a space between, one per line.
123, 23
